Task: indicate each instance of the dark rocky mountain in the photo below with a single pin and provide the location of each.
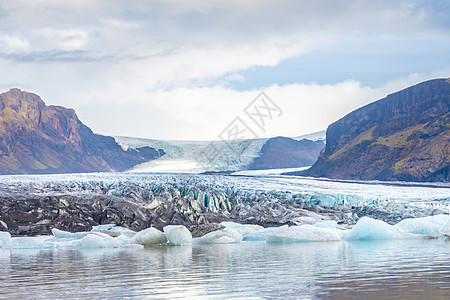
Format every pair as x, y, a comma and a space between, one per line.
36, 138
284, 152
405, 136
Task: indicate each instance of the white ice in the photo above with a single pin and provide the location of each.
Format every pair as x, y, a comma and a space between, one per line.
261, 234
149, 236
178, 235
370, 229
243, 229
303, 233
5, 239
224, 236
432, 226
99, 240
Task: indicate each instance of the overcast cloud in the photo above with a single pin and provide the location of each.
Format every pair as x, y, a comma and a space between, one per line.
185, 69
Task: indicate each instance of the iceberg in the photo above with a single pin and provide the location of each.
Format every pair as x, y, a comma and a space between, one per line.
178, 235
28, 243
113, 230
243, 229
261, 235
370, 229
430, 226
445, 230
303, 233
99, 240
65, 235
149, 236
224, 236
326, 224
5, 239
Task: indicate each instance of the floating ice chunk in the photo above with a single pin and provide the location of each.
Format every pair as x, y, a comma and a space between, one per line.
92, 241
371, 229
303, 233
99, 240
445, 230
304, 220
113, 230
28, 243
149, 236
5, 239
326, 224
178, 235
430, 226
261, 235
224, 236
243, 229
65, 235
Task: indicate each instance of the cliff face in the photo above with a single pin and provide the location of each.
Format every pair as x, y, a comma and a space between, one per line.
405, 136
283, 152
35, 138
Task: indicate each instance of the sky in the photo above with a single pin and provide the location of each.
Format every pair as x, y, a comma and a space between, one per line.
185, 70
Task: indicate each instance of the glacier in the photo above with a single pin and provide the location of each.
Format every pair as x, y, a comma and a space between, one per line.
113, 210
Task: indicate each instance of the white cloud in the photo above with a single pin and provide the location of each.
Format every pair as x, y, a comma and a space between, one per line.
202, 113
119, 24
13, 44
151, 67
67, 40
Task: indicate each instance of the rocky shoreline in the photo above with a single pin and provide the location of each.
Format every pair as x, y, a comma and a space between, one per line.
34, 207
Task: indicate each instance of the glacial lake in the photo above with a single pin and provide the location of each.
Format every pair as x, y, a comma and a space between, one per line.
416, 269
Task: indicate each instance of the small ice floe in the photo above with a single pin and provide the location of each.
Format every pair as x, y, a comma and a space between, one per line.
223, 236
113, 230
99, 240
178, 235
148, 237
432, 226
66, 235
243, 229
370, 229
5, 239
261, 235
303, 233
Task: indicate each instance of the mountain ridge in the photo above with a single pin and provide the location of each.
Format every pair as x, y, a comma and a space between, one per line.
404, 136
40, 139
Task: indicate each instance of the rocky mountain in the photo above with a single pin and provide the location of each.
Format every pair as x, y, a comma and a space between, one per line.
405, 136
36, 138
283, 152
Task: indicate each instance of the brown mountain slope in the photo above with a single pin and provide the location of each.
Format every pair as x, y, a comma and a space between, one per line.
35, 138
405, 136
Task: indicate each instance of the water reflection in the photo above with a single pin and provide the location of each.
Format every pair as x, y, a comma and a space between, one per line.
247, 270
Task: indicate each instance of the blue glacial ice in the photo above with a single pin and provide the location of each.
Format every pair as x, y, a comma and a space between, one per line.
370, 229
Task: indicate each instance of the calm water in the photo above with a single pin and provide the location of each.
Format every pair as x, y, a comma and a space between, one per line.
400, 269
